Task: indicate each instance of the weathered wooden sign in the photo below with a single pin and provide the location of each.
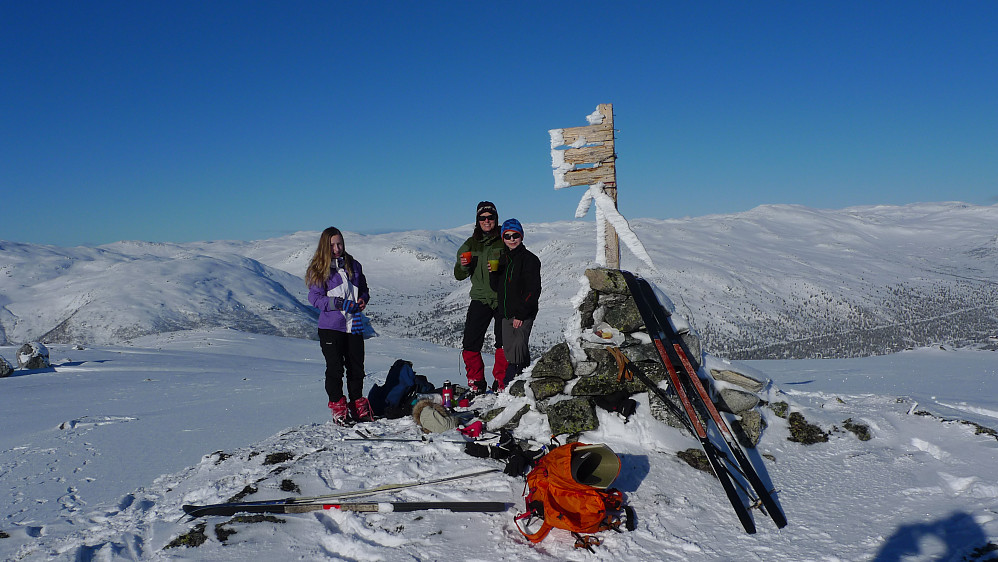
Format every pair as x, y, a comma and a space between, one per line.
586, 156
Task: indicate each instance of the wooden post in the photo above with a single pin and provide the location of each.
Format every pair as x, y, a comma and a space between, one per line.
611, 241
597, 157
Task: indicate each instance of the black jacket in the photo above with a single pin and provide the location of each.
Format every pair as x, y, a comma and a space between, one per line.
517, 283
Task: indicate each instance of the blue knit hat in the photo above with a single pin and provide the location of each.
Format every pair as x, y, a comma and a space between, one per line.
512, 224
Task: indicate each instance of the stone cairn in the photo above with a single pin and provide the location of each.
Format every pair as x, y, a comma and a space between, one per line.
569, 378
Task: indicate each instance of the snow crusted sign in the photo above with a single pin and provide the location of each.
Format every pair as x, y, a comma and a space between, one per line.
586, 156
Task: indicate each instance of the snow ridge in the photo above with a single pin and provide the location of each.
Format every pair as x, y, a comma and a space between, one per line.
778, 281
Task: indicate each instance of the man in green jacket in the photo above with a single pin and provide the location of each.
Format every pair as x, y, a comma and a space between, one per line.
473, 261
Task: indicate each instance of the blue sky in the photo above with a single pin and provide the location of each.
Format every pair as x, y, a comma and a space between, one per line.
182, 121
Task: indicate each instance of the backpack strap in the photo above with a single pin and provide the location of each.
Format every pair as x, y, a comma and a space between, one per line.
532, 537
625, 371
630, 522
613, 499
535, 509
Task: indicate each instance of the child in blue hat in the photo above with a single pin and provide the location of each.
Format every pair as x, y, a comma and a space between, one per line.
517, 283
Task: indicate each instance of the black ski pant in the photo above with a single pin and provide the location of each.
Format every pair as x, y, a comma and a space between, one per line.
476, 323
340, 350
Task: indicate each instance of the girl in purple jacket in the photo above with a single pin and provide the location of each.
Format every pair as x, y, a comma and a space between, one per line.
338, 288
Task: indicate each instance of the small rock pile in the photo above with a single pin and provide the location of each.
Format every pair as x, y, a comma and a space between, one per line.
569, 380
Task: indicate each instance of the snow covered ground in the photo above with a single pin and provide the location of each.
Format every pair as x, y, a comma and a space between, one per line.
99, 453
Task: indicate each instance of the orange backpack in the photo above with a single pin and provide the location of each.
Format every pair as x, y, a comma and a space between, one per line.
555, 496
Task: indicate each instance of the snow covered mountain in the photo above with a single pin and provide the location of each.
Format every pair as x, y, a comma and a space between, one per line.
774, 282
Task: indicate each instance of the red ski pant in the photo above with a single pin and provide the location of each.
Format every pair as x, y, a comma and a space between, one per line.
476, 323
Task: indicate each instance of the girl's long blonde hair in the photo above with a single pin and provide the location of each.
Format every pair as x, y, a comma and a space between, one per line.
321, 264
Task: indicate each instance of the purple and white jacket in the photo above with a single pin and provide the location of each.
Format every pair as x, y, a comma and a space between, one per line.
328, 298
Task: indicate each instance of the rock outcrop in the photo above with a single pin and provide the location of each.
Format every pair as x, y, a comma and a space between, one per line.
569, 380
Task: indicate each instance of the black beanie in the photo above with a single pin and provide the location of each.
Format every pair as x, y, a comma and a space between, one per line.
487, 207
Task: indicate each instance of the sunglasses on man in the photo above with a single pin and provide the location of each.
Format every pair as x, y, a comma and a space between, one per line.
486, 218
512, 236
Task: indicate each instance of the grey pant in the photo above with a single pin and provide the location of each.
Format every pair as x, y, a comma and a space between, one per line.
515, 340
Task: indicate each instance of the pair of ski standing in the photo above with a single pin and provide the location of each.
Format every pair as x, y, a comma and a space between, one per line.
505, 287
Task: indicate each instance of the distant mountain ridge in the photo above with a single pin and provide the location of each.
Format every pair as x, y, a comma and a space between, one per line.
778, 281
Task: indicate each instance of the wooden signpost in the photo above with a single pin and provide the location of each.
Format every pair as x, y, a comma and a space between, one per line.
586, 156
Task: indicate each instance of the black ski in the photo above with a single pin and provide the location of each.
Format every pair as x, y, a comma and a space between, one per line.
746, 468
370, 507
276, 506
654, 318
700, 429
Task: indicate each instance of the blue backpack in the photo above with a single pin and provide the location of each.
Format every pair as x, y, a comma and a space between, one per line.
395, 398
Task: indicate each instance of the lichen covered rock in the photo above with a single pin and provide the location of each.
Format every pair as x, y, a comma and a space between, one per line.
572, 416
556, 363
801, 431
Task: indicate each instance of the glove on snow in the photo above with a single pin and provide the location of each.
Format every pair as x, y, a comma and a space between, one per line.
472, 430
